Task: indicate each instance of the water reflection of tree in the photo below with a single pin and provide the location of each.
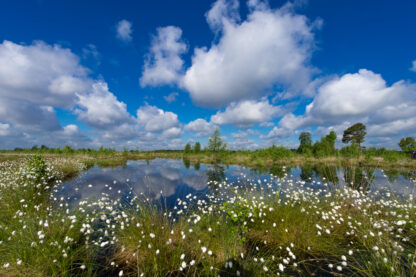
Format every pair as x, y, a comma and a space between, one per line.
279, 171
358, 178
197, 166
411, 174
215, 174
259, 170
392, 175
186, 163
306, 173
327, 172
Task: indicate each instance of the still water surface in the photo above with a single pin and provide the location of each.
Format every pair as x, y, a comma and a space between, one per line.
169, 179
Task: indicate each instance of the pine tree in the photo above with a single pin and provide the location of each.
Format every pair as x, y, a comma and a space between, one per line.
355, 133
187, 148
305, 142
215, 143
408, 144
197, 147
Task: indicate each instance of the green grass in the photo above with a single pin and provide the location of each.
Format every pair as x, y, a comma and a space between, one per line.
152, 244
110, 162
34, 232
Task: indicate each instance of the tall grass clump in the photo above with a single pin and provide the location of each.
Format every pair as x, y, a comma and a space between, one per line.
114, 162
37, 236
156, 242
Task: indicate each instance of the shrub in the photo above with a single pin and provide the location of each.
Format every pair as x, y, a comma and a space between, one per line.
351, 151
274, 152
38, 167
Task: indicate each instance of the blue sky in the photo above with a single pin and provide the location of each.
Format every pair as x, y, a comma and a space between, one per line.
159, 74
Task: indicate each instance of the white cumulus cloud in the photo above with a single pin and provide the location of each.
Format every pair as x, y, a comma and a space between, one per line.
360, 97
354, 95
40, 73
4, 129
171, 97
153, 119
173, 132
277, 132
101, 109
246, 113
163, 64
270, 48
36, 79
413, 68
28, 116
222, 12
124, 30
201, 127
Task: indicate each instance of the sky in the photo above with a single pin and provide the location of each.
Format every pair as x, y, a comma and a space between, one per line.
159, 74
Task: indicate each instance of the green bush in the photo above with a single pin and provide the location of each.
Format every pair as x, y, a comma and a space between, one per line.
325, 147
391, 156
38, 167
274, 152
351, 151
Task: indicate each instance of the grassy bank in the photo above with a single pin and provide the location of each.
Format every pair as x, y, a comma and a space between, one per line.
319, 153
253, 159
227, 158
282, 227
70, 165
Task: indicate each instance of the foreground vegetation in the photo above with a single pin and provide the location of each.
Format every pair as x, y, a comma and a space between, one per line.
267, 227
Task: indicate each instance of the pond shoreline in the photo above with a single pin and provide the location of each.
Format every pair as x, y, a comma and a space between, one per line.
120, 158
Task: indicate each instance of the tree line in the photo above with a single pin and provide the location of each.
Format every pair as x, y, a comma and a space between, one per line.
354, 136
67, 149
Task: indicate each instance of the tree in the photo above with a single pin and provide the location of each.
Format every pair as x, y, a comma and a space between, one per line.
186, 163
187, 148
197, 147
305, 138
408, 144
305, 142
331, 138
125, 151
326, 146
43, 147
355, 133
68, 149
215, 143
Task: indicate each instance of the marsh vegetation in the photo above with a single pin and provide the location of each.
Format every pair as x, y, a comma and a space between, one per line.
231, 221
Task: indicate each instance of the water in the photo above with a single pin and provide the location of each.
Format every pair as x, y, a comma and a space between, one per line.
169, 179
